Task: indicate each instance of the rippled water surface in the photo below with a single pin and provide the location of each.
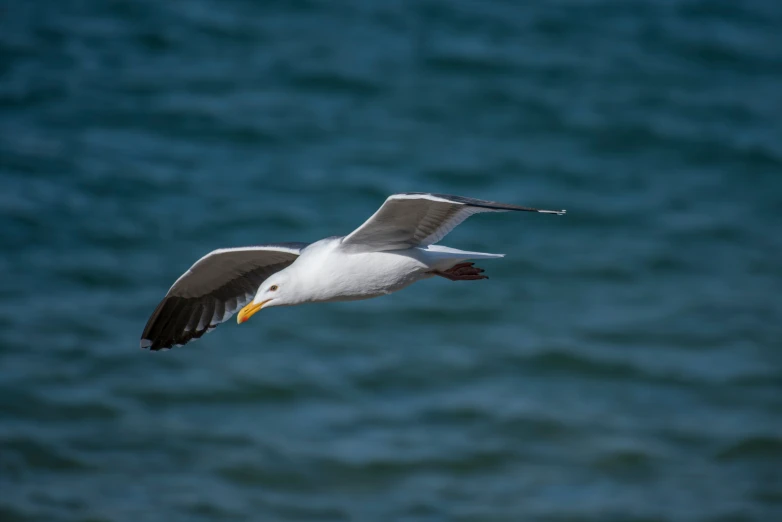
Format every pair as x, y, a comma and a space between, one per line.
622, 363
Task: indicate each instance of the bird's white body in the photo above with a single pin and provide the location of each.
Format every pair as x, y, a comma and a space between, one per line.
325, 271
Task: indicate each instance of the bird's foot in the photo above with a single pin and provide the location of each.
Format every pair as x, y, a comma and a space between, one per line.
462, 272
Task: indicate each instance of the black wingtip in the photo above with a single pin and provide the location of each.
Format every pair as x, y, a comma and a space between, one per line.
146, 344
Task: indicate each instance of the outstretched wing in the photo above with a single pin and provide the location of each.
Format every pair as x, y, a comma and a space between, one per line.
418, 219
212, 290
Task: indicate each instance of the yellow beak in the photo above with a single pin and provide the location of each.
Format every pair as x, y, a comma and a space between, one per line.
249, 310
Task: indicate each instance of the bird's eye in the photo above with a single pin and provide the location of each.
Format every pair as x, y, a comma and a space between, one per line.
273, 288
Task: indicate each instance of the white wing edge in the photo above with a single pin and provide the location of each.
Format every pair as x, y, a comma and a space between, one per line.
273, 248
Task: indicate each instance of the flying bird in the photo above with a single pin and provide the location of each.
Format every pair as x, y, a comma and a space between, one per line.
394, 248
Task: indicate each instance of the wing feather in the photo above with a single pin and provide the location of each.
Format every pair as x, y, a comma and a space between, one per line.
416, 219
212, 290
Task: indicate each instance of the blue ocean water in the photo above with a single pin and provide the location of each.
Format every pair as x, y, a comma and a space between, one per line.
623, 362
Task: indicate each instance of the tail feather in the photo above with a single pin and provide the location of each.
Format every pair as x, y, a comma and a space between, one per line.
442, 258
453, 253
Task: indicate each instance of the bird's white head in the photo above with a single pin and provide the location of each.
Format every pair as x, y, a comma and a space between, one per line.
278, 290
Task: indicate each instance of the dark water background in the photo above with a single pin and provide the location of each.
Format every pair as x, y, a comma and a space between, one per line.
623, 363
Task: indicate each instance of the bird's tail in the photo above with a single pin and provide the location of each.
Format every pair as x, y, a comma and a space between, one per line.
443, 257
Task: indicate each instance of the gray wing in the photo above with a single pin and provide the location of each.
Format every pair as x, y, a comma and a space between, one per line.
212, 290
418, 219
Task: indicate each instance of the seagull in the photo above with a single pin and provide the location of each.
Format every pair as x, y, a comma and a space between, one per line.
394, 248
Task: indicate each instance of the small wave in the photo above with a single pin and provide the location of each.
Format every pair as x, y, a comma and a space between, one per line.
93, 277
33, 407
625, 462
336, 83
458, 177
238, 393
759, 447
388, 468
469, 65
274, 476
209, 511
24, 453
559, 362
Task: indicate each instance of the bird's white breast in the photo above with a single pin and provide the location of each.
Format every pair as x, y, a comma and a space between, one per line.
329, 274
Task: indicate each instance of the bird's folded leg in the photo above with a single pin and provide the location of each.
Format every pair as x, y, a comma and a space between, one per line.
461, 272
